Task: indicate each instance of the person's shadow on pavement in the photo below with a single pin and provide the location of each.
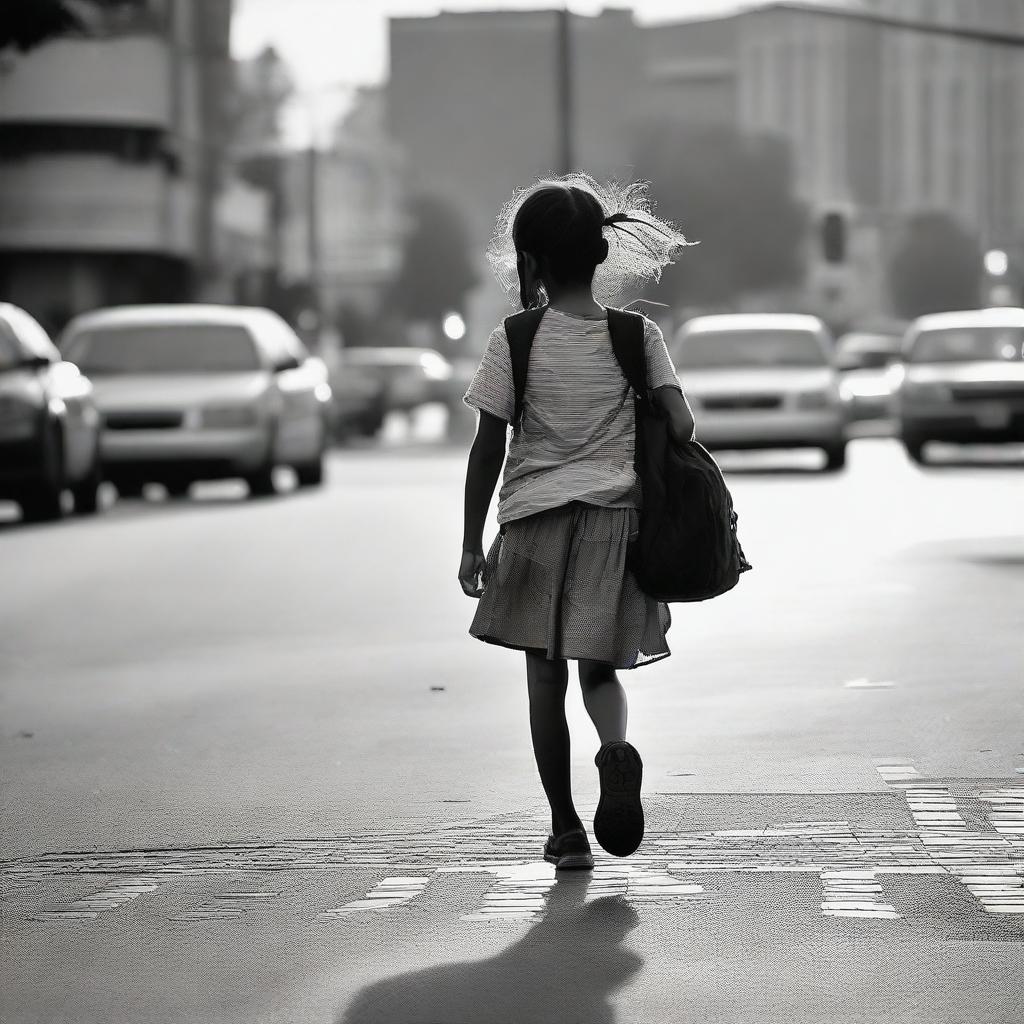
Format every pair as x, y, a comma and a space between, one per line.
562, 971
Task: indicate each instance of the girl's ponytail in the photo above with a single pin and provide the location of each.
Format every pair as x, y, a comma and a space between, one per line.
640, 244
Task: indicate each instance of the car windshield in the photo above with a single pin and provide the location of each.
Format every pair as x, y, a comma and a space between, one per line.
725, 349
867, 351
163, 349
968, 344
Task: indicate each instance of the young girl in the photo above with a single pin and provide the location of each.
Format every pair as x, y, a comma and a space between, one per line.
554, 583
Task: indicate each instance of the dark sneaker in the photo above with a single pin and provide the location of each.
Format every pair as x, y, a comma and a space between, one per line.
619, 821
570, 850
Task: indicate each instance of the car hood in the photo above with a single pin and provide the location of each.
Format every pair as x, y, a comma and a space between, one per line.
158, 391
756, 380
983, 372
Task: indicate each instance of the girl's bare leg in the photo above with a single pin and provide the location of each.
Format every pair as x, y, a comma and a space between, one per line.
604, 699
548, 681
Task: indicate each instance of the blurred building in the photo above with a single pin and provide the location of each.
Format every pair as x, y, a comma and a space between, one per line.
692, 71
885, 123
882, 123
471, 100
114, 186
351, 192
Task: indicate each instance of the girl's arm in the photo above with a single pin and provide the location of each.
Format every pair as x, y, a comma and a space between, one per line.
485, 461
673, 403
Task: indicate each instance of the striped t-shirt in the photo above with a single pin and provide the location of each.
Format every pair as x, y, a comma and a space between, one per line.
578, 427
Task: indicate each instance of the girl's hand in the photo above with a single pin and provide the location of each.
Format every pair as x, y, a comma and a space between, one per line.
473, 568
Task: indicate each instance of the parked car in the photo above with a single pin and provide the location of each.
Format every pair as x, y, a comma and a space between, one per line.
863, 359
409, 377
197, 392
762, 381
49, 425
961, 379
359, 401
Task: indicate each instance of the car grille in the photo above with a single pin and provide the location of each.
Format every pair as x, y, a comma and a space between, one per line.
151, 420
740, 403
989, 393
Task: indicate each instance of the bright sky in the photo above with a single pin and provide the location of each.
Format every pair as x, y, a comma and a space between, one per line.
331, 45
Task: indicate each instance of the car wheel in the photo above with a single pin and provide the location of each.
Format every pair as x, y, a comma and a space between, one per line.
129, 489
915, 451
87, 492
835, 457
260, 481
177, 488
371, 425
42, 502
311, 474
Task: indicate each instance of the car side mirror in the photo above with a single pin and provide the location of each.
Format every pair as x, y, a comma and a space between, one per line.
284, 363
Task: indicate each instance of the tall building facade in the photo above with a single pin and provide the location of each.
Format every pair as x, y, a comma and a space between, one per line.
886, 122
113, 184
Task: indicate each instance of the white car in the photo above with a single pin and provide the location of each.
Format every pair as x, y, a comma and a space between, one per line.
961, 379
762, 381
198, 392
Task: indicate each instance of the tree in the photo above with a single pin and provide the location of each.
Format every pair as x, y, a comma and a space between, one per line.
26, 24
436, 271
733, 194
936, 267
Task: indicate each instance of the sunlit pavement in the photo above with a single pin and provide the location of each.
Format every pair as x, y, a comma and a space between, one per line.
254, 769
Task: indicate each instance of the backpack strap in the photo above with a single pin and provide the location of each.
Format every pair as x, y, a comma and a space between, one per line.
628, 330
520, 329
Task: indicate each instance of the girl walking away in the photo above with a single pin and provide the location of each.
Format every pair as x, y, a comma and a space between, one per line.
554, 583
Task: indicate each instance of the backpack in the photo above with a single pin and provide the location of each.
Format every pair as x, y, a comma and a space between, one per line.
687, 548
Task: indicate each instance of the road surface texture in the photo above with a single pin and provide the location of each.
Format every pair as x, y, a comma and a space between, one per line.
254, 770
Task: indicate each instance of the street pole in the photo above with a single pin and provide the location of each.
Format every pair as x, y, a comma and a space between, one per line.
563, 76
313, 249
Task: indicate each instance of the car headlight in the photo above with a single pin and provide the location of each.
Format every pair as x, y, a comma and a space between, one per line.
875, 387
817, 399
228, 417
435, 367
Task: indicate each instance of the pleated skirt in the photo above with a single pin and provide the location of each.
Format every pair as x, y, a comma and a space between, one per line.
557, 582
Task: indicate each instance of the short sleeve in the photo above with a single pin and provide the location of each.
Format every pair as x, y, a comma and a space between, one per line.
492, 389
660, 371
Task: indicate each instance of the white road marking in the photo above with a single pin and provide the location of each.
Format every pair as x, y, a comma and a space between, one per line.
897, 771
389, 893
89, 907
227, 906
854, 894
868, 684
1007, 816
933, 808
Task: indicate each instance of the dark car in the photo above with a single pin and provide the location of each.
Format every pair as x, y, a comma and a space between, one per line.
961, 380
49, 425
369, 382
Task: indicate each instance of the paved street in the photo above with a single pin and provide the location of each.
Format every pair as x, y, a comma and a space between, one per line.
254, 770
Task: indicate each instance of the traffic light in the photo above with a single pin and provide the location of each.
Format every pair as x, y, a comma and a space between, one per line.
833, 237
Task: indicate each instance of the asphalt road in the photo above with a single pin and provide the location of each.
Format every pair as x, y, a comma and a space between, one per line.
253, 768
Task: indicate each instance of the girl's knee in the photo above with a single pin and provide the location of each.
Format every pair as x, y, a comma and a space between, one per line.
545, 672
594, 673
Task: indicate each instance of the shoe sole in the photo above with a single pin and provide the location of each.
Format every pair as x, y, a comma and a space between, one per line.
619, 821
571, 861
